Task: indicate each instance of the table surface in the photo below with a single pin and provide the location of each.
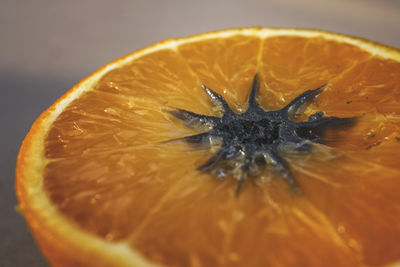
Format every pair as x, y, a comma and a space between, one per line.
48, 46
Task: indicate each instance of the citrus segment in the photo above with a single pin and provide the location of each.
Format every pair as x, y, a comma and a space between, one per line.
370, 87
225, 63
291, 65
357, 202
115, 170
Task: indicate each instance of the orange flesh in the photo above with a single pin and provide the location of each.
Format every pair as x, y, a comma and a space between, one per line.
111, 174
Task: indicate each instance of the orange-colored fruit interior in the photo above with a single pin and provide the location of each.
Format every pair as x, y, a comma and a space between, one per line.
112, 174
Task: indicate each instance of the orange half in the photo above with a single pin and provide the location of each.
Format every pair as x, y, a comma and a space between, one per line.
99, 185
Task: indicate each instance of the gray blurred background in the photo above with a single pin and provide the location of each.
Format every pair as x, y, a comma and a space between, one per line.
48, 46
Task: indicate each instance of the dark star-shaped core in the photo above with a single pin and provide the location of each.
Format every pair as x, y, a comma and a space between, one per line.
258, 137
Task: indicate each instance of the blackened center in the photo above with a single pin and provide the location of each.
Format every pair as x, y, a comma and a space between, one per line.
246, 131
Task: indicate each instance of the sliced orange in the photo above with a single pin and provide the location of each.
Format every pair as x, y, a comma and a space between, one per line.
100, 182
